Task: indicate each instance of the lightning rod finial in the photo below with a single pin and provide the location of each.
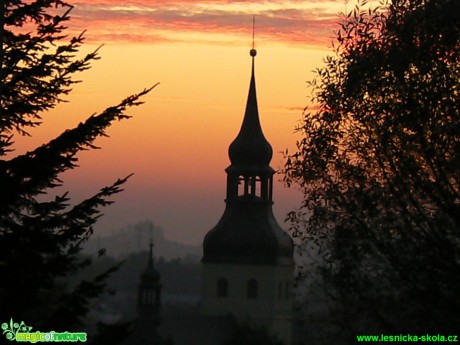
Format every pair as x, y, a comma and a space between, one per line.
253, 51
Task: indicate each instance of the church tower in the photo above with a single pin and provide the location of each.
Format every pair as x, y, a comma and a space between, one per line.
247, 257
149, 293
144, 330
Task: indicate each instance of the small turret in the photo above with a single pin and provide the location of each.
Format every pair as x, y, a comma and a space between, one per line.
149, 291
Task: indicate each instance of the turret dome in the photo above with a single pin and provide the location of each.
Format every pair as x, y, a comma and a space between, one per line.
250, 146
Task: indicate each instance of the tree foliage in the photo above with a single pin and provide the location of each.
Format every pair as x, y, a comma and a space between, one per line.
41, 236
379, 166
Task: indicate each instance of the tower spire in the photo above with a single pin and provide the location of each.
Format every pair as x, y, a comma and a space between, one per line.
250, 148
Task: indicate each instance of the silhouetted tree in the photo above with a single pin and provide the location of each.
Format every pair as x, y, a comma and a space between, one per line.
40, 236
379, 167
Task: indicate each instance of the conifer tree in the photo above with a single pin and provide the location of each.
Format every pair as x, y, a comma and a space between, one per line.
40, 236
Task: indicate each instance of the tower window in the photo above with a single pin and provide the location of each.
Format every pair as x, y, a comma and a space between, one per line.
252, 289
251, 185
258, 186
222, 288
241, 185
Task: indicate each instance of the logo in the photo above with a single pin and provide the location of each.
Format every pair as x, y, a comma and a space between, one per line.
21, 333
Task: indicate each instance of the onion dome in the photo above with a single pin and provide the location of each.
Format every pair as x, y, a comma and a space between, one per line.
250, 146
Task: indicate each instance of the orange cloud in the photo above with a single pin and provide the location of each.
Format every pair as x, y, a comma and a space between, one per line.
292, 22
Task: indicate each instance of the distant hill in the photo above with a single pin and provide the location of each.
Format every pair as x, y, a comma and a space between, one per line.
136, 238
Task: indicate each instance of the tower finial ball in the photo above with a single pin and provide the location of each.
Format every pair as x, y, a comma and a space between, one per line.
253, 52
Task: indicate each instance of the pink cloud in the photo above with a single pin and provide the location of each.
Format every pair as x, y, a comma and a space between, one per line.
159, 21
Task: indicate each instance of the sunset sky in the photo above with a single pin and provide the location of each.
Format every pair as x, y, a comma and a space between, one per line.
176, 143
